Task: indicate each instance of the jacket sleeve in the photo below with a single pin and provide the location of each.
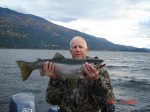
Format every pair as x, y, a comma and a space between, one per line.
54, 91
101, 89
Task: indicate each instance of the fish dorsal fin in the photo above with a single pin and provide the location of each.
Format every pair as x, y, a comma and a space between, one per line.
58, 56
38, 59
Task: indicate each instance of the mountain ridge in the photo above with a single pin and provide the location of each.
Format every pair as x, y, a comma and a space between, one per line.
18, 30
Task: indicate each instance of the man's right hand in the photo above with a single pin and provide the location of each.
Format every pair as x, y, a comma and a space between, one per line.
49, 69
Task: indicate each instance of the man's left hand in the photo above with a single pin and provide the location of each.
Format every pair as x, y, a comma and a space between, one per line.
91, 72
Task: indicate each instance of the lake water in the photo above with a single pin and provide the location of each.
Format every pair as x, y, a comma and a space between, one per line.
129, 71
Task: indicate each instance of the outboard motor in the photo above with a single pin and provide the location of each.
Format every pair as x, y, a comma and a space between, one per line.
22, 102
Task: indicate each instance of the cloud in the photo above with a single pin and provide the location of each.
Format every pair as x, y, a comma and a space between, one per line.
62, 19
115, 20
145, 24
96, 10
144, 29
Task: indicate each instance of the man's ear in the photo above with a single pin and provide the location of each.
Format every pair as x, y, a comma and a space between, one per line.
87, 49
70, 50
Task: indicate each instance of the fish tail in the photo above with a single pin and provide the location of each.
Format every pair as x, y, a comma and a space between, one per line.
25, 70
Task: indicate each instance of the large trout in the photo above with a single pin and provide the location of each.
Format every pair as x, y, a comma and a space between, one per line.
64, 67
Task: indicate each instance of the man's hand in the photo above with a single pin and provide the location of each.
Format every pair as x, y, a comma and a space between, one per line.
91, 72
49, 69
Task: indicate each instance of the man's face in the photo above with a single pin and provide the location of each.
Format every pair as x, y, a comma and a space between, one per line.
78, 49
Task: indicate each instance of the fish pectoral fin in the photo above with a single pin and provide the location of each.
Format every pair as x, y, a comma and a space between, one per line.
42, 73
82, 77
82, 74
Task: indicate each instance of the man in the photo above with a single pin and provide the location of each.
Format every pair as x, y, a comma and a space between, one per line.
92, 94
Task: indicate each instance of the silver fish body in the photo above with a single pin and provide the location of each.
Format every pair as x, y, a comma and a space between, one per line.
69, 71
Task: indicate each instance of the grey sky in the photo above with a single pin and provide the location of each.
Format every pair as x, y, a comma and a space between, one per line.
119, 21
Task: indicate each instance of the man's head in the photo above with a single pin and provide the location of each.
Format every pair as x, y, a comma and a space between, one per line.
78, 47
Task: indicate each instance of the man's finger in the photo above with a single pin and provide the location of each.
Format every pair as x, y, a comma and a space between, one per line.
88, 67
85, 69
50, 66
53, 68
92, 68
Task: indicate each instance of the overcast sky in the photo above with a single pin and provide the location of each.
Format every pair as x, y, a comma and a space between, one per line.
125, 22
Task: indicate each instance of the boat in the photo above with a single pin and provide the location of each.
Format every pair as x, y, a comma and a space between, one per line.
24, 102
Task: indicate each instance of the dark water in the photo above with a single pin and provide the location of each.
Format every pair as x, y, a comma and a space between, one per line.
130, 73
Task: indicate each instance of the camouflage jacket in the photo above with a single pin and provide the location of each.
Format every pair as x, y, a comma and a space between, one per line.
81, 95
